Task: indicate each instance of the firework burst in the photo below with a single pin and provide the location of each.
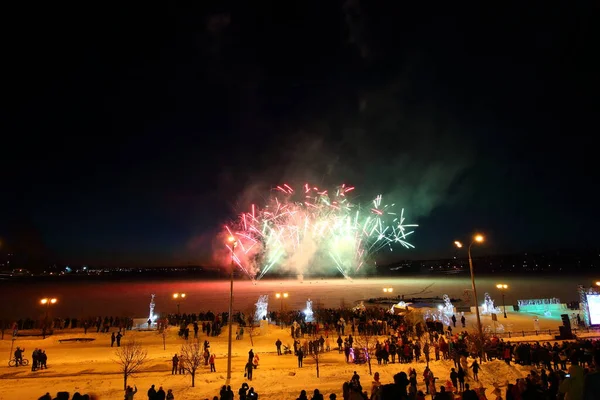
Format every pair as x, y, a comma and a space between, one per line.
298, 229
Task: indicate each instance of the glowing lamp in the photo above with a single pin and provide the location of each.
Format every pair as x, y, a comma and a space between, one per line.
479, 238
458, 244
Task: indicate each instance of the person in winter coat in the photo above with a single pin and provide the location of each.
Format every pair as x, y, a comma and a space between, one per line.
317, 395
175, 361
443, 395
302, 395
375, 387
252, 395
211, 361
152, 393
243, 390
249, 369
572, 387
469, 394
170, 395
454, 379
160, 394
130, 392
461, 379
475, 367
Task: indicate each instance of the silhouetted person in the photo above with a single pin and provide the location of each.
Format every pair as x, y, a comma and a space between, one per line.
152, 393
175, 360
160, 394
300, 357
249, 369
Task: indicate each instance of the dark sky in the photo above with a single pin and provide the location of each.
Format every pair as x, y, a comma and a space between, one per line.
131, 134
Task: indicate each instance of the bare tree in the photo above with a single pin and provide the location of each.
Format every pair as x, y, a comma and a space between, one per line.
163, 329
367, 343
251, 315
192, 357
477, 343
131, 357
316, 353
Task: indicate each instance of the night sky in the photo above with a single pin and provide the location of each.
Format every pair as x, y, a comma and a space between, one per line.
131, 135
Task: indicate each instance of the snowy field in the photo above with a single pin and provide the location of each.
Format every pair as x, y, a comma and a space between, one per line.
90, 367
77, 299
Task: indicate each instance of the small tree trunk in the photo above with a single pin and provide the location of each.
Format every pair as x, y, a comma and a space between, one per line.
125, 381
317, 360
164, 340
193, 373
251, 340
369, 361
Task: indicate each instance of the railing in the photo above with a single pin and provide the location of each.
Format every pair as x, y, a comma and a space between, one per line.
551, 332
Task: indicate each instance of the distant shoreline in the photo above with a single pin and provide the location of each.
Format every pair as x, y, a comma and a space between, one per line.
212, 276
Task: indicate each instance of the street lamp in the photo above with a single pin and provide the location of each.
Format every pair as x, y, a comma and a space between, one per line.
281, 296
476, 239
502, 288
178, 297
388, 290
47, 302
232, 245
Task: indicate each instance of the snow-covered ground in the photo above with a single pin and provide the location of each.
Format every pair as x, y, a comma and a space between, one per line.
90, 367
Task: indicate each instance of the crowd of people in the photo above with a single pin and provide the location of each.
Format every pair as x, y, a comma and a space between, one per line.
39, 359
67, 396
568, 369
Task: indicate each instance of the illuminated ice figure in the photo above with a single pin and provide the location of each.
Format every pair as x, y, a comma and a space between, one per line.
448, 308
360, 307
401, 304
308, 313
437, 315
152, 316
488, 306
261, 307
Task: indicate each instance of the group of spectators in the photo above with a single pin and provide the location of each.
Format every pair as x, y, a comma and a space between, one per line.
66, 396
160, 394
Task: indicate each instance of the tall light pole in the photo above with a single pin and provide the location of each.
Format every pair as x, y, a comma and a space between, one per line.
281, 296
178, 297
503, 288
476, 239
233, 244
47, 302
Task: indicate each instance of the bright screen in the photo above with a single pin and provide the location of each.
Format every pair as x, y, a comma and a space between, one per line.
593, 301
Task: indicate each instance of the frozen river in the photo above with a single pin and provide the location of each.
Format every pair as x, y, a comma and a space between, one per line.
78, 299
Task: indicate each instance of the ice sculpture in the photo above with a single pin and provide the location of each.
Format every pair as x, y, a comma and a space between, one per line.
359, 307
448, 308
488, 306
152, 316
308, 313
261, 307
